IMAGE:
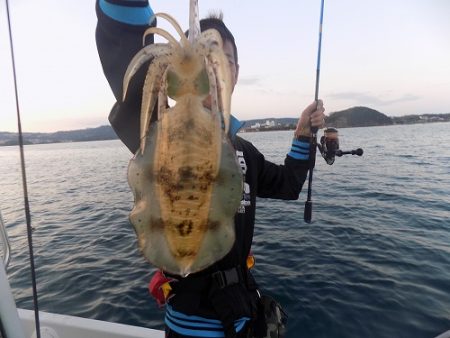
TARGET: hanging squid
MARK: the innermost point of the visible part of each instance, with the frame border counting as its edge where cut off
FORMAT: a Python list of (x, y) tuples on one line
[(186, 180)]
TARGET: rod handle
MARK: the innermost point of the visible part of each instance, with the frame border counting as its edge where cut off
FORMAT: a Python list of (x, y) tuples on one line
[(308, 212)]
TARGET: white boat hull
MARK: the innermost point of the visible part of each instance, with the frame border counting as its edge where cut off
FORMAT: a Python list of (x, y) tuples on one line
[(63, 326)]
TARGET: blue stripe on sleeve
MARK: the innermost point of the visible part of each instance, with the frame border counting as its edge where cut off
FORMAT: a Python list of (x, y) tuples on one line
[(125, 14), (299, 150), (300, 144)]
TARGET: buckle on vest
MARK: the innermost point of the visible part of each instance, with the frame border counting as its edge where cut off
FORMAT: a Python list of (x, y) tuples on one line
[(227, 277)]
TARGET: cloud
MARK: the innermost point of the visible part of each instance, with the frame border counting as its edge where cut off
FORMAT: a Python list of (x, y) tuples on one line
[(362, 98), (249, 81)]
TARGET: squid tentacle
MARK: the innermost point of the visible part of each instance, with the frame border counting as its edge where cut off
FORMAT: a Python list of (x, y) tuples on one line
[(194, 21), (145, 54), (153, 84), (213, 88), (162, 32), (162, 95), (176, 25), (211, 42)]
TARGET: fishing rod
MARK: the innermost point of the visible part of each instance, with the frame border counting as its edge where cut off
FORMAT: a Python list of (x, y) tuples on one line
[(24, 180), (329, 142), (313, 142)]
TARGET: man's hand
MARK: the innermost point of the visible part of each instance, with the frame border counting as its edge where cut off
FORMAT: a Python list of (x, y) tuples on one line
[(312, 116)]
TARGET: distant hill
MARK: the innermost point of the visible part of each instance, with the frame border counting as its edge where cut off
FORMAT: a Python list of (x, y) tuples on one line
[(90, 134), (357, 117), (352, 117)]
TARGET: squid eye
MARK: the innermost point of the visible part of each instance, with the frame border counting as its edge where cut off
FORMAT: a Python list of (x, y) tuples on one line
[(202, 83)]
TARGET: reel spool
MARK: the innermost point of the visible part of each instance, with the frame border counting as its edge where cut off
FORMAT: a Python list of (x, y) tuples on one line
[(329, 146)]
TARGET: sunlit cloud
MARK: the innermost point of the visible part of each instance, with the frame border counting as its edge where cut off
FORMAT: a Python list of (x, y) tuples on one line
[(362, 98)]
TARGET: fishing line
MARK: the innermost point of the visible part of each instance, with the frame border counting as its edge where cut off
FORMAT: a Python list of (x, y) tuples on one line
[(313, 142), (24, 180)]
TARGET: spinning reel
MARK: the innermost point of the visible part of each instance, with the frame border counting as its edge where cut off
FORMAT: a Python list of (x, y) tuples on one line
[(329, 146)]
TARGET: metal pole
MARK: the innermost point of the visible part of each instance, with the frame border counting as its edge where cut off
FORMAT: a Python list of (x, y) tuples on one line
[(24, 181)]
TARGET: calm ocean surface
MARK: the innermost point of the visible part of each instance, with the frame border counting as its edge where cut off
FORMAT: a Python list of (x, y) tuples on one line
[(375, 262)]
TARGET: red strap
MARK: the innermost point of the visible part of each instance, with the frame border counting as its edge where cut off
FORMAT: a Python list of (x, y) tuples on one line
[(155, 287)]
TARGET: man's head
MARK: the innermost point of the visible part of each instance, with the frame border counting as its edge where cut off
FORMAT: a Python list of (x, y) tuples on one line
[(229, 45), (216, 22)]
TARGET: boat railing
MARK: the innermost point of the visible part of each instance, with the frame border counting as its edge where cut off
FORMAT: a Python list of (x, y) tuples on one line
[(5, 242)]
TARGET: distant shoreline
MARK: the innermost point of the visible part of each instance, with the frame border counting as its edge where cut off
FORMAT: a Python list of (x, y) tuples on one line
[(104, 133), (248, 130)]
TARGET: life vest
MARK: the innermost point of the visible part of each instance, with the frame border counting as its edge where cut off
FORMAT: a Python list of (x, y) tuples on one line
[(231, 294)]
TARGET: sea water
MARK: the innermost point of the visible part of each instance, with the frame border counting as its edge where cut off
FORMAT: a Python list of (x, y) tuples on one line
[(375, 261)]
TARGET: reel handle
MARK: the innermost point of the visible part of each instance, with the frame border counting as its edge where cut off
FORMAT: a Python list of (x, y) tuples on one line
[(358, 152)]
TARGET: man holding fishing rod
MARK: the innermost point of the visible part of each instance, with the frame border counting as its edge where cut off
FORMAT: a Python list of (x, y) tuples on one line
[(223, 299)]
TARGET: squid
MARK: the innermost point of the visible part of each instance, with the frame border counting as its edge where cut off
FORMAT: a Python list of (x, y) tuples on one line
[(185, 177)]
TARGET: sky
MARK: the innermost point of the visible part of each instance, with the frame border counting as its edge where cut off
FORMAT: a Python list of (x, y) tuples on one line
[(392, 56)]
